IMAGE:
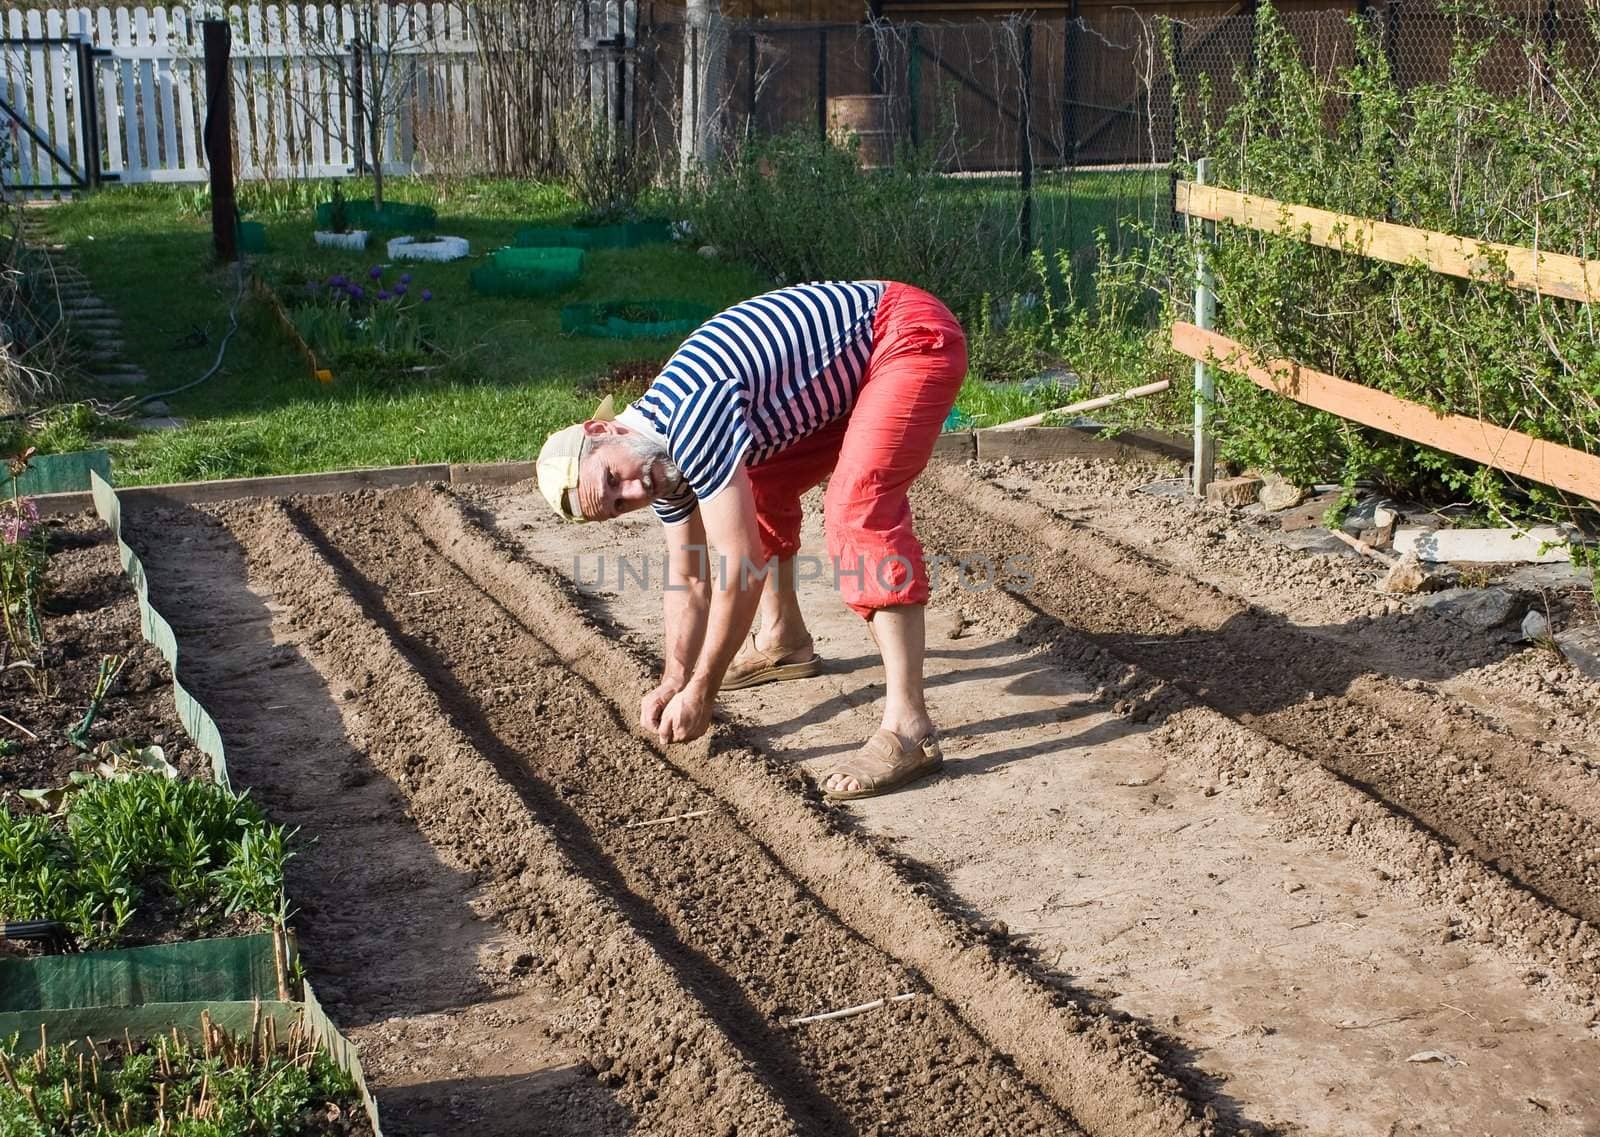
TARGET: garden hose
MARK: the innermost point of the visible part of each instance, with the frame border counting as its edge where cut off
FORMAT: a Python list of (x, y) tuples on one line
[(216, 365)]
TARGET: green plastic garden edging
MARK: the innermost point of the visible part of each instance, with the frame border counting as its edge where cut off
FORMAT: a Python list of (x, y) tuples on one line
[(222, 969), (196, 720), (528, 272), (362, 214), (624, 236), (63, 473), (634, 319)]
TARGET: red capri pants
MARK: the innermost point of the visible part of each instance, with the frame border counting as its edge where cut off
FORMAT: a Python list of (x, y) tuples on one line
[(919, 359)]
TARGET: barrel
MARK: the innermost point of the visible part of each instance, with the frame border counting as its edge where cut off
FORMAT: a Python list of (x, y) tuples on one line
[(869, 120)]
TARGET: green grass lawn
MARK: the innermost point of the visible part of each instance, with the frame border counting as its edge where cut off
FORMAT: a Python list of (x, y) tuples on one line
[(506, 375), (507, 378)]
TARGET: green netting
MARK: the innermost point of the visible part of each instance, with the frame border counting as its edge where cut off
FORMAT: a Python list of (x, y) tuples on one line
[(63, 473), (528, 272), (634, 319), (624, 236), (362, 214), (234, 967)]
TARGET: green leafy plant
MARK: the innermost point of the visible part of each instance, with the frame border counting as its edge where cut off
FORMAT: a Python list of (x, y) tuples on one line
[(24, 564), (206, 1082), (372, 317), (1460, 155), (128, 834), (338, 211)]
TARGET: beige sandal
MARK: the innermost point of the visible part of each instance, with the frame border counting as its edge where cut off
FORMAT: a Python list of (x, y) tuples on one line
[(752, 667), (884, 763)]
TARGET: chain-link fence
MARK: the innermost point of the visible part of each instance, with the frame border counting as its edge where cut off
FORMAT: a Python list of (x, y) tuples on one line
[(1076, 118)]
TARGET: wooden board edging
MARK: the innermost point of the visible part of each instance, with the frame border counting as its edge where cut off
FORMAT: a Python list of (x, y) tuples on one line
[(1550, 274), (1521, 455)]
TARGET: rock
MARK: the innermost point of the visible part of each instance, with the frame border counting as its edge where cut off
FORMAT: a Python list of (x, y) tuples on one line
[(710, 252), (1234, 493), (1278, 494), (1534, 626), (1478, 608), (1581, 646), (156, 408), (1407, 576)]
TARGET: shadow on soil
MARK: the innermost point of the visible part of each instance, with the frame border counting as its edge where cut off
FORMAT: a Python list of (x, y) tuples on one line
[(390, 937)]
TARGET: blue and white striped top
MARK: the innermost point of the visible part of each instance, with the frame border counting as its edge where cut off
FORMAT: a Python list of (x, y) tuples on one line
[(755, 379)]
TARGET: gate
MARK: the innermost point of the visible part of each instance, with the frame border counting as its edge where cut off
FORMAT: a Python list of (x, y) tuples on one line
[(52, 138)]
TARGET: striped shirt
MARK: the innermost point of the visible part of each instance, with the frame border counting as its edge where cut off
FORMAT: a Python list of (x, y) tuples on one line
[(755, 379)]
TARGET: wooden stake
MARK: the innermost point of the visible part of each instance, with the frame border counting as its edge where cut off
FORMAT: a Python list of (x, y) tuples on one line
[(1363, 548)]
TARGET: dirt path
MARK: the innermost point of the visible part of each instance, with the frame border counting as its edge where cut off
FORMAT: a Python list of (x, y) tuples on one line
[(486, 912), (1230, 789)]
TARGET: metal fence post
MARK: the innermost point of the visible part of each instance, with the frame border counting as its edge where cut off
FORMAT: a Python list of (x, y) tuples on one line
[(822, 82), (914, 84), (1205, 311), (1025, 135), (89, 114)]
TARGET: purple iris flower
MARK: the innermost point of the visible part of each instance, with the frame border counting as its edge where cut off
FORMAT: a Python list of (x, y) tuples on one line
[(399, 289), (375, 272), (385, 294), (405, 278), (356, 292), (426, 295), (337, 280)]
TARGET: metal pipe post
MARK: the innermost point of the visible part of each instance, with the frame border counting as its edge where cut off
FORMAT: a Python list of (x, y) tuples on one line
[(1205, 388)]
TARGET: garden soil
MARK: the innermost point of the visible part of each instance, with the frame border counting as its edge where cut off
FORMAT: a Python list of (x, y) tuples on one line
[(1226, 841), (90, 612)]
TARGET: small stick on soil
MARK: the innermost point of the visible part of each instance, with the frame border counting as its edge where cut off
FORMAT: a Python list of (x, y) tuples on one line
[(849, 1011), (425, 592), (667, 820), (18, 726)]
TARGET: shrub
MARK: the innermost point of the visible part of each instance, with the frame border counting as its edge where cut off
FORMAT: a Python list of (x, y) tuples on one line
[(1520, 167), (800, 208)]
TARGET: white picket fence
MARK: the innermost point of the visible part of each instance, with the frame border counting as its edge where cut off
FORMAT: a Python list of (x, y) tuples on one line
[(291, 110)]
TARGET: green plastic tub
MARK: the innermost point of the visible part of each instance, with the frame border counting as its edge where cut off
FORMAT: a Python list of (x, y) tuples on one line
[(528, 272), (634, 319)]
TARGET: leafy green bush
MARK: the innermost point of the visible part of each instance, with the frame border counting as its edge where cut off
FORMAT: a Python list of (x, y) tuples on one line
[(800, 208), (1518, 165), (115, 843)]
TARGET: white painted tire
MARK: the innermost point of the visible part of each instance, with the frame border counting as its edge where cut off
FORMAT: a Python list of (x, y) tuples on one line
[(355, 239), (433, 249)]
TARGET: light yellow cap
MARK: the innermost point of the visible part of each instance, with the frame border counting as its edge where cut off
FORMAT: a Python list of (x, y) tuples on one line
[(558, 463)]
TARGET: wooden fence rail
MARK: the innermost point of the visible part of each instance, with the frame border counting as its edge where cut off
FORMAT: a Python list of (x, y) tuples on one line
[(1553, 274)]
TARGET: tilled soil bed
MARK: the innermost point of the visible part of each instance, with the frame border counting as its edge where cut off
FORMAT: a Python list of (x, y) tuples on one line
[(1215, 852)]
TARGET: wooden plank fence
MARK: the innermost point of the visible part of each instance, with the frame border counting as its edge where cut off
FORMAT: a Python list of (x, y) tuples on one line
[(292, 71), (1518, 454)]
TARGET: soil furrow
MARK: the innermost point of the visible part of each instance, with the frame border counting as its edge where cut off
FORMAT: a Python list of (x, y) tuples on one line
[(620, 1003), (749, 943), (1422, 753), (1104, 1071)]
